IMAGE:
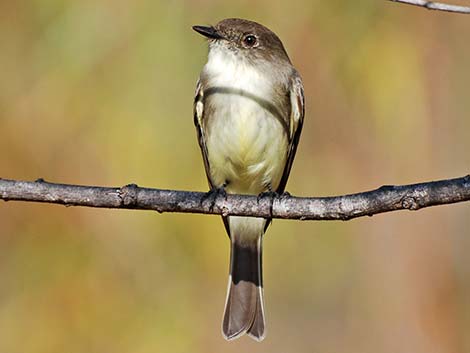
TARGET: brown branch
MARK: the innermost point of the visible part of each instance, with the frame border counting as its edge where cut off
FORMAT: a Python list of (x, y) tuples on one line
[(431, 5), (384, 199)]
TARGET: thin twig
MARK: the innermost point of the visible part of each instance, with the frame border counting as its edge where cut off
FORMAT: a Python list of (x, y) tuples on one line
[(431, 5), (384, 199)]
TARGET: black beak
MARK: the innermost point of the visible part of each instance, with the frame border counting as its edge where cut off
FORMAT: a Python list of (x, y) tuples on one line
[(209, 32)]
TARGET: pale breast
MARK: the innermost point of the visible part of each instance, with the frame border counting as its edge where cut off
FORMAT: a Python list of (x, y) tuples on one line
[(246, 144), (246, 134)]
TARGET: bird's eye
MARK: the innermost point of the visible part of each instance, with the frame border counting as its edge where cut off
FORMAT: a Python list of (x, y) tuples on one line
[(250, 40)]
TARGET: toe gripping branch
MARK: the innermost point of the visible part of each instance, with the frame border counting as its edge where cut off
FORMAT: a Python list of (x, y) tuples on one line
[(210, 198)]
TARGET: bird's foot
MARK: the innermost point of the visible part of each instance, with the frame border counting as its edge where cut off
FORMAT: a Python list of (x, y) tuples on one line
[(267, 194), (212, 195)]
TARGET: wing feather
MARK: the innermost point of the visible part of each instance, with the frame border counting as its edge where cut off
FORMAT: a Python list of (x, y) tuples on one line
[(297, 101), (198, 112)]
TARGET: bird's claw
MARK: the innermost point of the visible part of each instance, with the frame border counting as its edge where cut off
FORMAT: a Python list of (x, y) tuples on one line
[(212, 195), (267, 194)]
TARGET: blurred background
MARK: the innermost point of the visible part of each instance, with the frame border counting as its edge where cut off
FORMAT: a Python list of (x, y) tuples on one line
[(99, 92)]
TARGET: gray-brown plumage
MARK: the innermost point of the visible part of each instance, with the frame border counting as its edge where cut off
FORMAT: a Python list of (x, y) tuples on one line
[(248, 112)]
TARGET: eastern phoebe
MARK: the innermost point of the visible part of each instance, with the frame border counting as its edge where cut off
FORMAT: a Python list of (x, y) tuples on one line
[(248, 112)]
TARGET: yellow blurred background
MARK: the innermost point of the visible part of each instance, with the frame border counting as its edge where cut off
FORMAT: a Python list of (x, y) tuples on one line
[(99, 92)]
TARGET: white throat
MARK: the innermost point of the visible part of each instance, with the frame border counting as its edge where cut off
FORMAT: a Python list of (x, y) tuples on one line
[(226, 68)]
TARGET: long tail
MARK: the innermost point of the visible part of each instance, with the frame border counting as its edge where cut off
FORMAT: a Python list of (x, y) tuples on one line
[(244, 308)]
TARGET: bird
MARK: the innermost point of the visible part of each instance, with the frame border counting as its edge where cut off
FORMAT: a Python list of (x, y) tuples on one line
[(248, 111)]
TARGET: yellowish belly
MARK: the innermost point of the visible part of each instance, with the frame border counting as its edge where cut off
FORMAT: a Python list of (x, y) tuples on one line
[(247, 146)]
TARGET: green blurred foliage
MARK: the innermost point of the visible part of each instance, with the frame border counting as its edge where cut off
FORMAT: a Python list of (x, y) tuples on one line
[(100, 92)]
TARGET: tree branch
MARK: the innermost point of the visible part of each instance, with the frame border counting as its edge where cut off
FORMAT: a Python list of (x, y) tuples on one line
[(384, 199), (431, 5)]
